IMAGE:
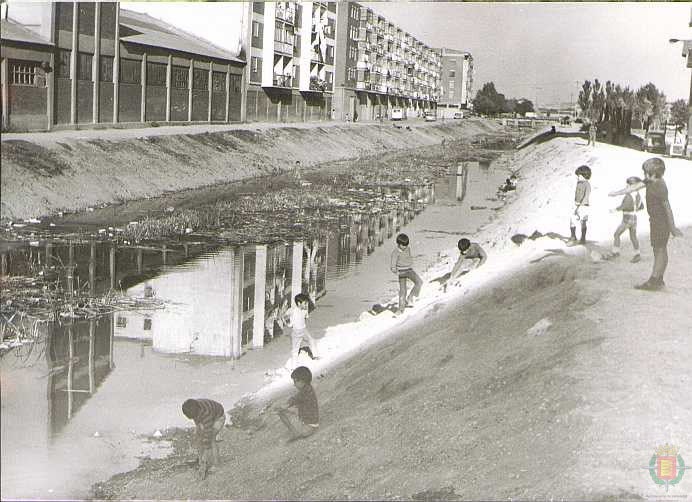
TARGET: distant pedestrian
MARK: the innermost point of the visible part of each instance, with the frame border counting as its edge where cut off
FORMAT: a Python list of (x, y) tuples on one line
[(661, 220), (631, 203), (592, 134), (297, 174), (581, 204), (209, 418), (402, 264), (305, 421), (297, 320)]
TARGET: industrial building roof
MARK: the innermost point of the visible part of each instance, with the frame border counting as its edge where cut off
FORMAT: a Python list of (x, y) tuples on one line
[(12, 30), (156, 33)]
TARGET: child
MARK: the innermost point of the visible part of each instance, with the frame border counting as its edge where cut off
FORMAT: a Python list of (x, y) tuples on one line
[(592, 134), (510, 184), (631, 203), (299, 331), (468, 251), (402, 265), (209, 417), (306, 421), (661, 221), (581, 204)]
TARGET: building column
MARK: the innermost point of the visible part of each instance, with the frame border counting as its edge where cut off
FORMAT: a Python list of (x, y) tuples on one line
[(169, 76), (116, 65), (111, 262), (210, 88), (50, 92), (190, 75), (95, 65), (73, 63), (143, 111), (296, 271), (260, 292), (228, 93), (236, 306), (4, 69)]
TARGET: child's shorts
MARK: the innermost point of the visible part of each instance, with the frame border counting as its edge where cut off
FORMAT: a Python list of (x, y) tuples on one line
[(580, 213), (629, 220), (659, 233), (209, 436)]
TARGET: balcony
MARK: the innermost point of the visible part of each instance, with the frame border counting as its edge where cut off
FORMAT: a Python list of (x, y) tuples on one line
[(283, 48), (318, 85), (286, 15), (283, 81), (363, 86)]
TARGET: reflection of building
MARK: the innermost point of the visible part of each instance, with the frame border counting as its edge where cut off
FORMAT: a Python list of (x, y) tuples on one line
[(80, 357), (290, 70), (380, 67), (78, 63), (223, 304), (457, 81)]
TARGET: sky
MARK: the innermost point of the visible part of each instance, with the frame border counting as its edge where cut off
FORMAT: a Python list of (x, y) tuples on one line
[(540, 51)]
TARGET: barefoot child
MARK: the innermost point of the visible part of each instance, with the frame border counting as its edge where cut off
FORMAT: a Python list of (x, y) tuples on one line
[(581, 204), (209, 417), (661, 221), (306, 420), (631, 203), (297, 317), (402, 265)]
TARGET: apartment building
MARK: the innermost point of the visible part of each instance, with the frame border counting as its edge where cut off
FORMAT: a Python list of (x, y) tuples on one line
[(291, 53), (93, 64), (379, 66), (457, 81)]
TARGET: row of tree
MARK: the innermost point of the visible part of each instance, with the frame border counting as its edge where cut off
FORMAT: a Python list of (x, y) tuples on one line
[(490, 102), (613, 108)]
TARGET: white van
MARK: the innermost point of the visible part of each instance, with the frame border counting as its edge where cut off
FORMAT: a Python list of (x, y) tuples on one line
[(397, 114)]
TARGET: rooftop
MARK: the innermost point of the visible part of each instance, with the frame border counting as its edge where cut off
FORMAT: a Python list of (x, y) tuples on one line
[(12, 30)]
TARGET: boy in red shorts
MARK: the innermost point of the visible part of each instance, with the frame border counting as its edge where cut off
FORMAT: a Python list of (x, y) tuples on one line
[(661, 221)]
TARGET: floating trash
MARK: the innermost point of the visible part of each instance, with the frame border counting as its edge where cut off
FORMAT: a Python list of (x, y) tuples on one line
[(158, 434), (97, 435)]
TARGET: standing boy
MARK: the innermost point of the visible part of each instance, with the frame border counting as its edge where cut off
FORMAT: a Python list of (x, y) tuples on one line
[(592, 134), (581, 204), (306, 421), (299, 331), (209, 417), (631, 203), (661, 221), (402, 265)]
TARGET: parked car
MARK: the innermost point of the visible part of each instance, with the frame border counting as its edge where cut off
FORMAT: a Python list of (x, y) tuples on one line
[(430, 116), (398, 114), (458, 115), (654, 142), (566, 120)]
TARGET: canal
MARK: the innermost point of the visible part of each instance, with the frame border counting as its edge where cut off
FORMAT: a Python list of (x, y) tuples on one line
[(89, 398)]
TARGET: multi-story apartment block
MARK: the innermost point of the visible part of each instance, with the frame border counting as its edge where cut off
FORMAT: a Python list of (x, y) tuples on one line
[(457, 81), (291, 50), (86, 64), (380, 67)]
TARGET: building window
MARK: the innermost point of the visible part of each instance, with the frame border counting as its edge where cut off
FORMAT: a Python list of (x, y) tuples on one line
[(452, 73), (258, 7), (121, 322), (255, 68), (130, 71), (235, 83), (255, 29), (147, 324), (200, 79), (84, 68), (451, 85), (62, 63), (106, 69), (218, 81), (27, 73), (329, 78), (64, 15), (330, 28), (179, 77), (156, 74), (330, 54), (86, 18)]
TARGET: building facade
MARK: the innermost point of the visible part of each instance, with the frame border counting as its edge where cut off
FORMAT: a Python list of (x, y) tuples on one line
[(457, 81), (87, 64), (290, 52), (379, 67)]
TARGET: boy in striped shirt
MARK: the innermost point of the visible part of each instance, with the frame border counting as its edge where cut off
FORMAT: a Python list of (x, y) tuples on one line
[(209, 417)]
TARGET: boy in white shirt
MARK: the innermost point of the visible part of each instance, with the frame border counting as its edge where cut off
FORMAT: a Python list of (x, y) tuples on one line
[(297, 317)]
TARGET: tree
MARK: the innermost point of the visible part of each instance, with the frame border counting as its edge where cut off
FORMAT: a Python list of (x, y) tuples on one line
[(488, 101), (523, 106), (650, 103), (679, 115)]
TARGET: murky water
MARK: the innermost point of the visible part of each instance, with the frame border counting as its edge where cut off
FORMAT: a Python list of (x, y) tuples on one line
[(84, 401)]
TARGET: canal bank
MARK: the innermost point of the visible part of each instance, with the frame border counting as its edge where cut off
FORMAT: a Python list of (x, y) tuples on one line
[(47, 173), (466, 382)]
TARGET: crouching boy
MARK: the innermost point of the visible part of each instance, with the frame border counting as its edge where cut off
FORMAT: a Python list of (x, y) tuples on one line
[(209, 418), (306, 419)]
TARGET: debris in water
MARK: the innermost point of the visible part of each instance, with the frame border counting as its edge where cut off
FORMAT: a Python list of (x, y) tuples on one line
[(158, 434), (97, 435)]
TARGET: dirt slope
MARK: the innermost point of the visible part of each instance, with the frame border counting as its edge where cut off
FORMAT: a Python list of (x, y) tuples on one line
[(465, 404), (45, 173)]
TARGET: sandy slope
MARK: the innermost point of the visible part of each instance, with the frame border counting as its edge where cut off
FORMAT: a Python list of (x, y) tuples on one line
[(462, 403)]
